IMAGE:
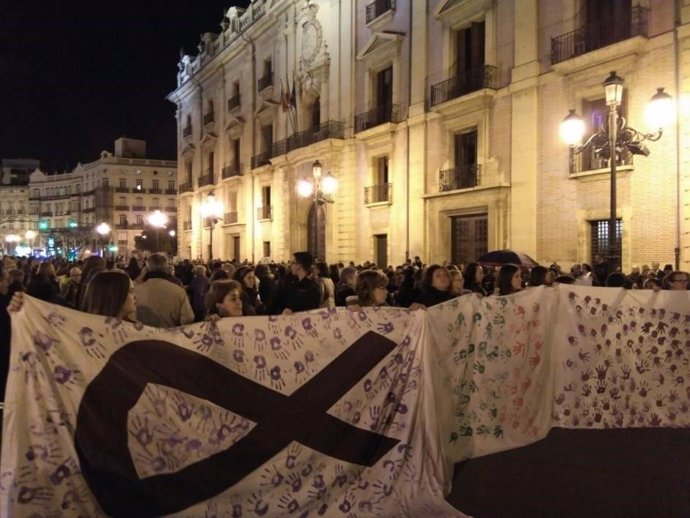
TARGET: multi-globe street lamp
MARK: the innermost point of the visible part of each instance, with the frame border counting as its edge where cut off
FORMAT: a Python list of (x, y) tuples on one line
[(211, 210), (616, 139), (321, 190), (158, 220)]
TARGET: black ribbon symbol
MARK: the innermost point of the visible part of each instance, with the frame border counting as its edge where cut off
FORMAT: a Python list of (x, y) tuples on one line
[(101, 435)]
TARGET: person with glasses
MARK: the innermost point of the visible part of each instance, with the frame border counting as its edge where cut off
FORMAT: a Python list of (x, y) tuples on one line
[(676, 280)]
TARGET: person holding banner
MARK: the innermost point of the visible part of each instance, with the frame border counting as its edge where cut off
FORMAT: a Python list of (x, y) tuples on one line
[(224, 299)]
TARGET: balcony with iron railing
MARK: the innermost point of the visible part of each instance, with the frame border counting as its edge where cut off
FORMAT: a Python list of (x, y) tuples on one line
[(232, 170), (187, 225), (89, 210), (377, 116), (234, 102), (261, 159), (463, 83), (122, 189), (460, 177), (265, 81), (584, 40), (326, 130), (382, 193), (136, 226), (186, 187), (206, 179), (209, 118), (121, 207), (171, 191), (588, 160), (138, 208), (155, 191), (230, 217), (378, 8), (170, 209), (187, 132), (264, 213), (122, 226)]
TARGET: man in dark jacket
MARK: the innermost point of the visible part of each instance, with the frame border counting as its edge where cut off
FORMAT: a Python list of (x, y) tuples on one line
[(303, 293)]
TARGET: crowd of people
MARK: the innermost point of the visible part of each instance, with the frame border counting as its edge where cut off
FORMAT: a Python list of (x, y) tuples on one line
[(156, 292)]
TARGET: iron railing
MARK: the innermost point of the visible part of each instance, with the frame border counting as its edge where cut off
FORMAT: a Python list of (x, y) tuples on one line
[(155, 191), (232, 170), (377, 116), (263, 213), (378, 193), (326, 130), (377, 8), (171, 191), (209, 118), (588, 160), (265, 81), (186, 187), (463, 83), (583, 40), (138, 208), (121, 207), (170, 209), (122, 226), (233, 102), (261, 159), (206, 179), (230, 217), (461, 177), (121, 189)]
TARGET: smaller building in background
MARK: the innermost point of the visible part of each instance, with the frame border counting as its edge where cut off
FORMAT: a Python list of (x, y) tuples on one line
[(121, 189), (14, 200)]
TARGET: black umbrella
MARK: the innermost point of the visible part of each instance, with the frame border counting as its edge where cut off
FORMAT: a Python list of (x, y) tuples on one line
[(500, 257)]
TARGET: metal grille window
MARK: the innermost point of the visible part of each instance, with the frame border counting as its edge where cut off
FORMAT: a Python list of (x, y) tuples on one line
[(469, 238), (600, 236)]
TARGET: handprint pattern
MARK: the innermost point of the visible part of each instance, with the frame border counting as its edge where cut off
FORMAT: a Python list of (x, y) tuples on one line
[(612, 360)]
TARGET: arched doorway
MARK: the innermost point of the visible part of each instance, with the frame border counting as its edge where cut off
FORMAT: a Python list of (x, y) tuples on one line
[(316, 231)]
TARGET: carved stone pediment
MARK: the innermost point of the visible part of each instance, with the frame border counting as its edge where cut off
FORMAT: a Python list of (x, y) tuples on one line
[(381, 45)]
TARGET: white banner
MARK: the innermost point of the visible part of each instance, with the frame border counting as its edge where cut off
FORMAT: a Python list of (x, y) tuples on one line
[(327, 413)]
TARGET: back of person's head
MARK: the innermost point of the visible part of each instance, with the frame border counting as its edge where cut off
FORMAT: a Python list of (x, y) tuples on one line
[(157, 263), (505, 279), (106, 293), (348, 275), (565, 279), (322, 269), (261, 270), (217, 291), (46, 268), (16, 276), (615, 280), (470, 275), (42, 287), (537, 276), (367, 282), (200, 270)]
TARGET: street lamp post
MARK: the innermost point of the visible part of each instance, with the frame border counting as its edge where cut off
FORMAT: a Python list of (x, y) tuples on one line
[(158, 220), (614, 140), (103, 229), (211, 210), (321, 189)]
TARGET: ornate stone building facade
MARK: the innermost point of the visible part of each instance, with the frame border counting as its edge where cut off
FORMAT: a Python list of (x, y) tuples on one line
[(439, 120), (121, 189)]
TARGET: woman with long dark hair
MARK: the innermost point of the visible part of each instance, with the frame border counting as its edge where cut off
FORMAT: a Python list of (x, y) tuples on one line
[(224, 299), (473, 275), (509, 279), (111, 294), (436, 286)]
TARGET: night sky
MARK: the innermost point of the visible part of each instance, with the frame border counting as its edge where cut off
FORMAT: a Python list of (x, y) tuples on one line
[(77, 74)]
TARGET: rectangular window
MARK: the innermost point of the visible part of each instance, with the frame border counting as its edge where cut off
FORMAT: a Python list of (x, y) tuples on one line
[(235, 149), (104, 182), (381, 175), (267, 137), (266, 195), (469, 238), (123, 220), (123, 183), (600, 237), (140, 185), (171, 185), (140, 219), (267, 249), (155, 184), (595, 114), (384, 89), (469, 49)]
